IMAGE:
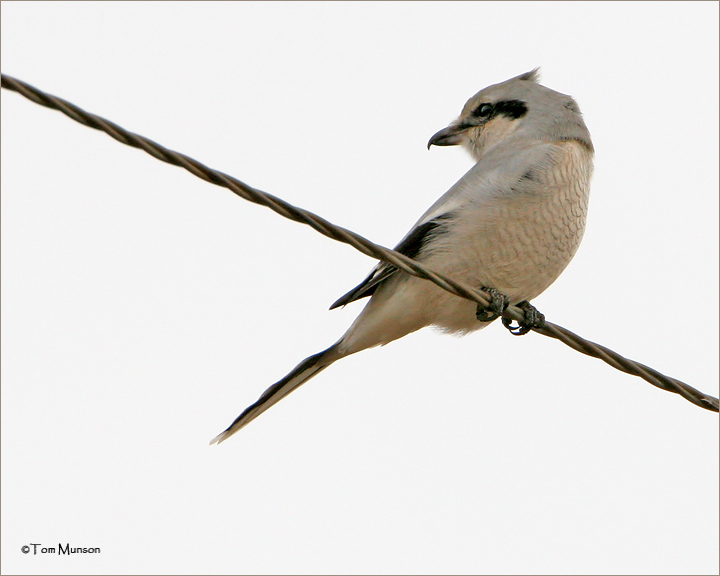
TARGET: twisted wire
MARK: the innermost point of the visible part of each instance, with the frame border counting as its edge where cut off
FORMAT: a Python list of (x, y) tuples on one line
[(358, 242)]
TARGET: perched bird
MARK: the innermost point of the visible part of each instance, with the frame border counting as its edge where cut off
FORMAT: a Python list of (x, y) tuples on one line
[(512, 224)]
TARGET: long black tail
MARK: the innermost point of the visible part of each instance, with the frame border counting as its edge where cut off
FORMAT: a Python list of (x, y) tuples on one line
[(301, 374)]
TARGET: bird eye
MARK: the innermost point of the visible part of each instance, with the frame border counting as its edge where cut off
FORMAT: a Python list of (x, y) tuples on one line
[(484, 110)]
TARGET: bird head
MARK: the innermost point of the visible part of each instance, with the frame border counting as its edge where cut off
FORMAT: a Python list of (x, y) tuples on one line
[(519, 106)]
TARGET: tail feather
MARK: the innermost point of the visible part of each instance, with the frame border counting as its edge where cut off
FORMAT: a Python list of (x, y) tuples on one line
[(301, 374)]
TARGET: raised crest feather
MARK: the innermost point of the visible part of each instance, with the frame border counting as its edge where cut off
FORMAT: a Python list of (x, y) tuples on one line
[(532, 76)]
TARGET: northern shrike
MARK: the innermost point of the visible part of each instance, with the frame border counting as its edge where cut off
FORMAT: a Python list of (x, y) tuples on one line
[(512, 224)]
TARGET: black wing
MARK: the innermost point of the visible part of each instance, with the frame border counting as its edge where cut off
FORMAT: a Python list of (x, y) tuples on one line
[(410, 246)]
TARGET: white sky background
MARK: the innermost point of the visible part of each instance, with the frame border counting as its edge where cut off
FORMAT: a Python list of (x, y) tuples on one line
[(143, 309)]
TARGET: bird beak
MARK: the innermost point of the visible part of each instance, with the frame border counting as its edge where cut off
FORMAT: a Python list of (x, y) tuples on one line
[(450, 136)]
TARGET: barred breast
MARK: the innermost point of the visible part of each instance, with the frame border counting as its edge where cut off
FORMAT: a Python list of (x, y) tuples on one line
[(518, 241)]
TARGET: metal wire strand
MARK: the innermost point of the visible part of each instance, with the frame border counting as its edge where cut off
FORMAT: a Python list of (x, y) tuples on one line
[(355, 240)]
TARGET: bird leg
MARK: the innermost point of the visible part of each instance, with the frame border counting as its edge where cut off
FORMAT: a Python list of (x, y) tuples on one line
[(498, 303), (533, 319)]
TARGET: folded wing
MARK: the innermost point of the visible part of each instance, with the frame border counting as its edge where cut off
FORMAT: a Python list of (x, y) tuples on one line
[(409, 246)]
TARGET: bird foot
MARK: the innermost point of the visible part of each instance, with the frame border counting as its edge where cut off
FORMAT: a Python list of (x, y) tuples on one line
[(533, 319), (498, 303)]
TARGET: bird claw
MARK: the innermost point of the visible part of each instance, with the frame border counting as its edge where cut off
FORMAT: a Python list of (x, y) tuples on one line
[(533, 319), (498, 303)]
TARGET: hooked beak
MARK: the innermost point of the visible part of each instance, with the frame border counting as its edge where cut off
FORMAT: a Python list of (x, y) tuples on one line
[(450, 136)]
